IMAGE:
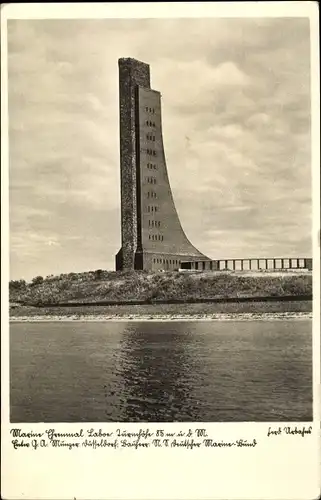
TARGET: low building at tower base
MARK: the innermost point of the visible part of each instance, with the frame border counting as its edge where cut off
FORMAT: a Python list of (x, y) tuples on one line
[(257, 264)]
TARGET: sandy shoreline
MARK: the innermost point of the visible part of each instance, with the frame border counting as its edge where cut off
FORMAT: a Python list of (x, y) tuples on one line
[(166, 317)]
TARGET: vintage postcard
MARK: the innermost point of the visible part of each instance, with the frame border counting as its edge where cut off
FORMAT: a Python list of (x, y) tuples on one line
[(161, 258)]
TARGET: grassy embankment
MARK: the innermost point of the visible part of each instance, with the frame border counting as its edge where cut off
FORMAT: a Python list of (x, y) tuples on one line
[(88, 290)]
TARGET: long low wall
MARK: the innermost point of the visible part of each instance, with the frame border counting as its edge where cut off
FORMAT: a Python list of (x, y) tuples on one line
[(281, 298), (249, 264)]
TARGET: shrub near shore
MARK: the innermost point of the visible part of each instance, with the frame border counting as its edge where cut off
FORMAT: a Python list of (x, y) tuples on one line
[(102, 285)]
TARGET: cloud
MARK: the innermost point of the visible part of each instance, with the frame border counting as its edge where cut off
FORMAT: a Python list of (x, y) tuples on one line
[(236, 124)]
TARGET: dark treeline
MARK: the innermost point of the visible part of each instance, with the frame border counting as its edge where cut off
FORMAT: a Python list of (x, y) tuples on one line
[(106, 287)]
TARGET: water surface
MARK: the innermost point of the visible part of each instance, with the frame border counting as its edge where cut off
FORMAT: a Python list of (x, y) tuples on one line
[(161, 371)]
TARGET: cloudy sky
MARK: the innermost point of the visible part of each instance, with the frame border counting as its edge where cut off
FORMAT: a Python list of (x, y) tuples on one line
[(236, 123)]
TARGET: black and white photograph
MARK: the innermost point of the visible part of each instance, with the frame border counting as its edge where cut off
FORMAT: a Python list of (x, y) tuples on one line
[(113, 247), (160, 226)]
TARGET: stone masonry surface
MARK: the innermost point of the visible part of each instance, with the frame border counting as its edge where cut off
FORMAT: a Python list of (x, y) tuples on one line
[(152, 235)]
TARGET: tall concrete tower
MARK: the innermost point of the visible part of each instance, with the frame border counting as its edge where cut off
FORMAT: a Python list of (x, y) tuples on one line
[(151, 232)]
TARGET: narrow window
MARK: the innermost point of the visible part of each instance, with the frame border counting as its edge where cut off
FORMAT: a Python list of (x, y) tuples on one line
[(146, 109)]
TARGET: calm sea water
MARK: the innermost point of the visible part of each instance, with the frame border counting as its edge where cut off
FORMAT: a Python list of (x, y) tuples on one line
[(161, 371)]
